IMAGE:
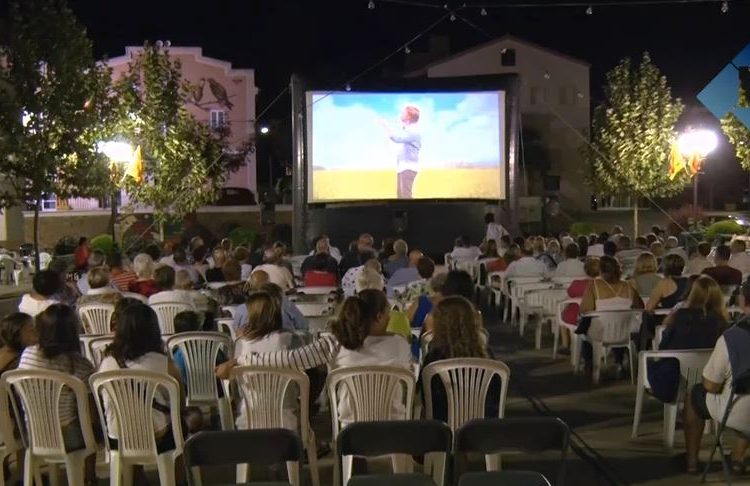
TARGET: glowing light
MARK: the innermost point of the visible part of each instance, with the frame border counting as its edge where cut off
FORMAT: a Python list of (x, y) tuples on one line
[(483, 12), (724, 6), (453, 17), (264, 130), (371, 5), (116, 151), (407, 49), (742, 222), (590, 10), (701, 142)]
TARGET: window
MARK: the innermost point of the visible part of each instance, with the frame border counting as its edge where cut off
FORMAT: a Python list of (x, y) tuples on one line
[(218, 118), (536, 95), (568, 96), (508, 57)]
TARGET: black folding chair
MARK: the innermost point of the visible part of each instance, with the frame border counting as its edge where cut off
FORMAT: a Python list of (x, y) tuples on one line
[(492, 436), (232, 447), (431, 438), (740, 389), (503, 478)]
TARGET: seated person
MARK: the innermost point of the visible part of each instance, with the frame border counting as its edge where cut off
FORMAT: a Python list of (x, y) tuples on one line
[(464, 250), (673, 288), (242, 255), (698, 260), (276, 270), (100, 290), (571, 266), (219, 258), (425, 270), (321, 253), (398, 260), (526, 266), (291, 317), (144, 284), (180, 262), (724, 275), (45, 285), (318, 271), (576, 289), (645, 278), (119, 275), (407, 275), (164, 277), (16, 334), (739, 259), (233, 291)]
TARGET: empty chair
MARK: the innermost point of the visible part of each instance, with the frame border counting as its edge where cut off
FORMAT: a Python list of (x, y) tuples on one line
[(200, 353), (263, 391), (227, 447), (95, 318), (9, 443), (125, 400), (165, 312), (431, 438), (503, 478), (467, 384), (39, 392), (491, 437)]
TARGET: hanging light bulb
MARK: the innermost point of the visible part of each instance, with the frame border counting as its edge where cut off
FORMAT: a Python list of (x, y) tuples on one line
[(546, 75), (348, 87), (371, 5), (589, 10), (407, 49), (483, 12), (453, 17), (724, 6)]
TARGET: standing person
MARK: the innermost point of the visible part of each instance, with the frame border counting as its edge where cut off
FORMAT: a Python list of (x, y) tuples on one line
[(16, 334), (119, 276), (45, 286), (494, 231), (722, 272), (407, 160), (81, 254)]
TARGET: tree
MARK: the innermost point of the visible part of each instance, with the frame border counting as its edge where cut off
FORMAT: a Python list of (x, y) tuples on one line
[(632, 132), (185, 163), (739, 136), (50, 124)]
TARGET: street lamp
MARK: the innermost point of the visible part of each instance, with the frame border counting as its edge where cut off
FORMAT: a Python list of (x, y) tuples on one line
[(117, 152), (695, 145)]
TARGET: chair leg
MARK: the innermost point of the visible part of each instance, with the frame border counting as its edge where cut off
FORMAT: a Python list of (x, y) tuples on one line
[(292, 471), (670, 423), (243, 473), (555, 338), (493, 462), (54, 474), (225, 414), (74, 468), (575, 352), (538, 333), (639, 392), (631, 362), (29, 471), (312, 459), (165, 464), (126, 470), (597, 352), (345, 473)]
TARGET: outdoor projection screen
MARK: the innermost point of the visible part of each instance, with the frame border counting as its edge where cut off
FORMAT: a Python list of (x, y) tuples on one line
[(368, 146)]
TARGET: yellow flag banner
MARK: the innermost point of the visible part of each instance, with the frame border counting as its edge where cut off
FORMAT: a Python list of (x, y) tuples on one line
[(676, 161), (135, 168)]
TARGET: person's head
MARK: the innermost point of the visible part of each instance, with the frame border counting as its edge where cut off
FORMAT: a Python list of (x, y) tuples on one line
[(360, 316), (182, 280), (280, 248), (57, 331), (505, 241), (671, 242), (651, 238), (47, 283), (226, 244), (143, 266), (617, 230), (199, 255), (571, 251), (196, 242), (220, 257), (602, 238), (17, 331), (623, 243), (179, 256), (553, 247), (164, 277), (320, 262), (610, 248), (400, 247), (706, 295), (527, 251), (459, 282), (374, 264), (365, 241), (83, 241), (369, 279), (136, 334), (513, 253), (673, 265), (538, 245), (263, 315), (722, 255), (456, 329), (641, 243), (187, 321), (323, 245), (257, 279), (609, 269), (425, 267), (437, 282), (646, 264), (409, 115), (386, 249), (657, 248), (241, 254), (738, 246), (414, 257), (274, 291), (120, 305), (153, 250), (98, 277), (114, 261), (704, 248), (96, 259), (583, 244), (232, 271), (591, 267)]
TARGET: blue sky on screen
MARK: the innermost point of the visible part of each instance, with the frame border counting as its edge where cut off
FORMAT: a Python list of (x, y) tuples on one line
[(457, 128)]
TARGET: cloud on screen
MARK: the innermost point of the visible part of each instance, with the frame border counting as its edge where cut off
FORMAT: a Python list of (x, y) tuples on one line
[(456, 128)]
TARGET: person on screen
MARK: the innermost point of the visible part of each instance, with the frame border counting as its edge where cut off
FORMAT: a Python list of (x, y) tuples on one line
[(407, 160)]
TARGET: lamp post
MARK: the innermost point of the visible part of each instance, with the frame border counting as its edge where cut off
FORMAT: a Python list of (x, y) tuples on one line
[(117, 152), (695, 145)]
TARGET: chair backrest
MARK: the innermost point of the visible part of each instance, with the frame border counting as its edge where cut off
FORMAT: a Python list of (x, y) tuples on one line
[(314, 309), (370, 391), (200, 351), (39, 392), (503, 478), (8, 441), (378, 438), (260, 446), (136, 296), (131, 396), (96, 318), (426, 338), (529, 435), (226, 325), (692, 362), (96, 347), (166, 311), (467, 383), (470, 266), (612, 327), (263, 389)]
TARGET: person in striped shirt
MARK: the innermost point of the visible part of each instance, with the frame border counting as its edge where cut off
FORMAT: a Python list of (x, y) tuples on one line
[(59, 349), (119, 276)]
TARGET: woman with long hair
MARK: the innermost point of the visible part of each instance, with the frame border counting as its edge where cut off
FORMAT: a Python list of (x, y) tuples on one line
[(645, 279)]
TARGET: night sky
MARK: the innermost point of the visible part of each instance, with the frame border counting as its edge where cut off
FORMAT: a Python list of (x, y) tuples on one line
[(334, 40)]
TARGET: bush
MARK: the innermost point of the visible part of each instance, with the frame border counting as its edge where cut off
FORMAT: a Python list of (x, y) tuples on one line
[(104, 244), (582, 228), (726, 227), (242, 237), (66, 246)]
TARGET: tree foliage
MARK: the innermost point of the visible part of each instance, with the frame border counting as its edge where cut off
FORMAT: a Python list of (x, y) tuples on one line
[(185, 164), (632, 132), (739, 136)]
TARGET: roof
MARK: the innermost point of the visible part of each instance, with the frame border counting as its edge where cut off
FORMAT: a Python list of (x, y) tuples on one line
[(485, 45), (197, 52)]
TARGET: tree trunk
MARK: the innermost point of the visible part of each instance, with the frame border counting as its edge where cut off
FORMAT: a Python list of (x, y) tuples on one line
[(37, 205), (113, 215), (635, 218)]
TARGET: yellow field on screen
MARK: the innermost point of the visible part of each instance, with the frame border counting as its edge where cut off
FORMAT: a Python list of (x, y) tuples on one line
[(348, 185)]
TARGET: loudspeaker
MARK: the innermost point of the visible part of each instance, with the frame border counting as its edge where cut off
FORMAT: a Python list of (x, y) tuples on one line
[(400, 222)]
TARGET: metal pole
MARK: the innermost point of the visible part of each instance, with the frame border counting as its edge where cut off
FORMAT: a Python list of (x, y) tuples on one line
[(299, 169), (695, 194)]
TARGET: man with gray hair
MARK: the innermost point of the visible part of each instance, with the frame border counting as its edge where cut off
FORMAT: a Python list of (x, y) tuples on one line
[(398, 260), (96, 259), (672, 245)]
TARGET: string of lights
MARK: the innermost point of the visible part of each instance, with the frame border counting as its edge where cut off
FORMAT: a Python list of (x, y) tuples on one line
[(588, 5)]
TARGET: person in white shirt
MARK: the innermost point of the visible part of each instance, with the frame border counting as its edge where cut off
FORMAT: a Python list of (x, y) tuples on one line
[(526, 266), (672, 246), (739, 259), (625, 251), (242, 255), (464, 250), (698, 260), (46, 285), (571, 266), (276, 273), (349, 282), (495, 231), (164, 276), (323, 245)]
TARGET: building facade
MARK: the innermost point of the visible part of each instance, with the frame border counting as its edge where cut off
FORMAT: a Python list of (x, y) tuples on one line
[(555, 112)]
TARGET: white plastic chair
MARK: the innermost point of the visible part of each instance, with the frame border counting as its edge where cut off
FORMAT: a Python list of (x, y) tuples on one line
[(226, 325), (426, 338), (131, 396), (166, 311), (517, 286), (370, 392), (95, 348), (9, 444), (317, 314), (315, 294), (692, 362), (96, 318), (262, 390), (611, 330), (200, 351), (558, 323), (136, 296), (229, 309), (39, 392)]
